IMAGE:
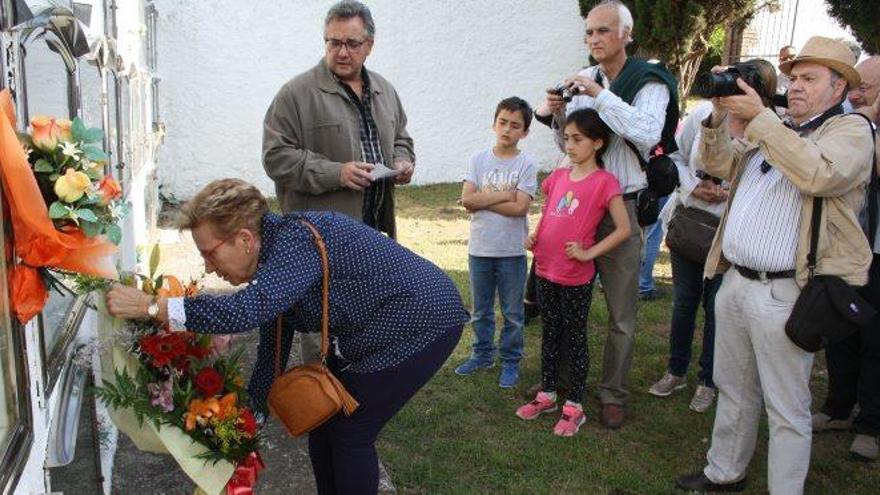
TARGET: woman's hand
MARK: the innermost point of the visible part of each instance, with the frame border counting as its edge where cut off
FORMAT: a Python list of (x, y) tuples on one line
[(574, 251), (128, 302)]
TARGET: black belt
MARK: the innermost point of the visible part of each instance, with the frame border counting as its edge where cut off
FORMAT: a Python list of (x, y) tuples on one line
[(631, 196), (756, 275)]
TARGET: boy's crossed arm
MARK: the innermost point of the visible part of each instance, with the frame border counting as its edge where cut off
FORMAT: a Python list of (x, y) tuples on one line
[(508, 203)]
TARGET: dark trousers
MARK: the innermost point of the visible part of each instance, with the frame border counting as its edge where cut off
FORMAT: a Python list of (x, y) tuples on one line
[(854, 369), (343, 450), (689, 289), (564, 312)]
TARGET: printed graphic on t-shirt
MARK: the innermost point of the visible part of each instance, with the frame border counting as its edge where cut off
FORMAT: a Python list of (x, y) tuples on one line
[(566, 206), (499, 181)]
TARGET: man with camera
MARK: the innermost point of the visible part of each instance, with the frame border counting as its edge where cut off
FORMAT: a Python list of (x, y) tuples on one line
[(639, 102), (761, 247), (329, 127)]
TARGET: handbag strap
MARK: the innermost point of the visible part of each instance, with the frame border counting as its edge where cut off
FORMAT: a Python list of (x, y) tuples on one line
[(325, 301), (814, 234)]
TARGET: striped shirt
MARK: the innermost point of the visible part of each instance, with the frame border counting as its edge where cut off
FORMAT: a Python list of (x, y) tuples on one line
[(764, 220), (371, 151), (640, 123)]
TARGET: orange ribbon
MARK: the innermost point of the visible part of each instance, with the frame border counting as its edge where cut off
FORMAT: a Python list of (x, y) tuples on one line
[(37, 242), (245, 476)]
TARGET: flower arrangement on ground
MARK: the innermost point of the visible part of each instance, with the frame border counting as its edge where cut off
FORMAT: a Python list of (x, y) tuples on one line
[(185, 380), (68, 163)]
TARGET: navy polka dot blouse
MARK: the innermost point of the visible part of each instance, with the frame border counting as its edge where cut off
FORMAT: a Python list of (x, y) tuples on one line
[(386, 302)]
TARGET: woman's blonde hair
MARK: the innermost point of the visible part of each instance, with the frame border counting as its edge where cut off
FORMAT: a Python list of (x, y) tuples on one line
[(228, 204)]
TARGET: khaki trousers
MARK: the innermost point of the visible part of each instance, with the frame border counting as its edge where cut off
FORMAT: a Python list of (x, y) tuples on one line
[(757, 367), (619, 274)]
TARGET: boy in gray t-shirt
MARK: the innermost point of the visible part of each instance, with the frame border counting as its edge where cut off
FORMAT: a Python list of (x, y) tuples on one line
[(498, 188)]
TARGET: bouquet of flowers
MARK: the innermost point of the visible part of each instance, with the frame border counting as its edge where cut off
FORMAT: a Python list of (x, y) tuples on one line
[(184, 380), (68, 163)]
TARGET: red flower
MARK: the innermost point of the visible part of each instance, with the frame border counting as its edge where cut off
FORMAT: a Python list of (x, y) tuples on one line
[(163, 348), (247, 422), (209, 382)]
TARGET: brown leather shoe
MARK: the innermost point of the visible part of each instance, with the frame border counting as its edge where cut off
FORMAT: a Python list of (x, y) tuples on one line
[(612, 416)]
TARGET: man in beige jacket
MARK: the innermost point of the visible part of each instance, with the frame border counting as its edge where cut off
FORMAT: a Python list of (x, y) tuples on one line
[(761, 247), (328, 129)]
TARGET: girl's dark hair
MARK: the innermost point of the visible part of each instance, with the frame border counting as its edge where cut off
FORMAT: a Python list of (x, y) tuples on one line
[(590, 124)]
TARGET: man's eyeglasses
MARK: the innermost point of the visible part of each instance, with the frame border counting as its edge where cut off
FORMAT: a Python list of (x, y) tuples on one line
[(209, 254), (335, 45)]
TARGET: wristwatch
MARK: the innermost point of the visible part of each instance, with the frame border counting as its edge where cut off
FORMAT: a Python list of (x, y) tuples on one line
[(153, 308)]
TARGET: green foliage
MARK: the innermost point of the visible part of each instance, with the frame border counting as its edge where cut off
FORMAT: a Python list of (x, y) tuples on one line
[(862, 17)]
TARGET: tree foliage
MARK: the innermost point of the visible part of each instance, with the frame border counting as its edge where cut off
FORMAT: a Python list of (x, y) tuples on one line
[(863, 17), (678, 32)]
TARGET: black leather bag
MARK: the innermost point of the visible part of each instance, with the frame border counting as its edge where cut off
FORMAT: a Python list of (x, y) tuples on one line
[(828, 309), (690, 233), (660, 170), (662, 175), (647, 207)]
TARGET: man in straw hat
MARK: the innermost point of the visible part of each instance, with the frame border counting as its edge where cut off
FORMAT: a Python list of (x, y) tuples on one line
[(761, 247)]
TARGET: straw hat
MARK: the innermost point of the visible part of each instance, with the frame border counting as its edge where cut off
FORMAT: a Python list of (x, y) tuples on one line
[(830, 53)]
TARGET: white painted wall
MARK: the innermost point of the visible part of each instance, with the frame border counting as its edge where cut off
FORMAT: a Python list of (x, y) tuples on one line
[(221, 63)]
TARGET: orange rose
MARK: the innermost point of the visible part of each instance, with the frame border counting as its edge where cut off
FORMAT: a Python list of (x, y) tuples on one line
[(109, 189), (72, 185), (65, 131), (44, 133)]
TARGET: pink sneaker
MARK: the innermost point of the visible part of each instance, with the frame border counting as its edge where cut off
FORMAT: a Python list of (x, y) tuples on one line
[(543, 403), (570, 422)]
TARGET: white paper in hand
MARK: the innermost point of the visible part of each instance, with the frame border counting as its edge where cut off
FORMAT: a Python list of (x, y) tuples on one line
[(381, 171)]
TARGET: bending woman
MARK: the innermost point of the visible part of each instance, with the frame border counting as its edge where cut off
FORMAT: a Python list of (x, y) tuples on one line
[(394, 316)]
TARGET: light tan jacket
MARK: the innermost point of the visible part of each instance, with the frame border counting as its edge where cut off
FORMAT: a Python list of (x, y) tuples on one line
[(312, 128), (833, 162)]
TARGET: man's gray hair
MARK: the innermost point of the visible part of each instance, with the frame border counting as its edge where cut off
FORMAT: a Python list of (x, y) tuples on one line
[(624, 17), (346, 9)]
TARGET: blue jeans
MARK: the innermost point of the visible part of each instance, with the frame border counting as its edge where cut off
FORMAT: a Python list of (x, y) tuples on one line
[(653, 238), (507, 276), (689, 289)]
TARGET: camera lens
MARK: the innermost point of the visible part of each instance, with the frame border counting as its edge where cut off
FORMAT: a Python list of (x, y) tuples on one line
[(721, 84)]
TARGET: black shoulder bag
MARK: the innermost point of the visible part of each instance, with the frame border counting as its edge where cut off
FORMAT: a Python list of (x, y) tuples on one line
[(828, 309)]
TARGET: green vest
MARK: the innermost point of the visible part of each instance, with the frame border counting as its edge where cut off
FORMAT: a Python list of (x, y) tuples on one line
[(636, 73)]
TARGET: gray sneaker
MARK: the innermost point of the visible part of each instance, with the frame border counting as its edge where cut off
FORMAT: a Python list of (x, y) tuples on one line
[(668, 384), (824, 422), (703, 399), (865, 447)]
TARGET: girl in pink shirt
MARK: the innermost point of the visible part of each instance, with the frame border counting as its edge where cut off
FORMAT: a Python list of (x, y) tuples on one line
[(564, 246)]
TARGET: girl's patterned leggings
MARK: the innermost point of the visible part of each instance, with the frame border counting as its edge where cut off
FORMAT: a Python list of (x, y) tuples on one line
[(564, 311)]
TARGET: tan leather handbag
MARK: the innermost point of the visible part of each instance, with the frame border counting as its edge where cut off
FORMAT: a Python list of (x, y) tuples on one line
[(306, 396)]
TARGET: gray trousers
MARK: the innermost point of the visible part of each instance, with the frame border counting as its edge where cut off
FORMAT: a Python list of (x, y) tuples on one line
[(757, 367), (619, 274)]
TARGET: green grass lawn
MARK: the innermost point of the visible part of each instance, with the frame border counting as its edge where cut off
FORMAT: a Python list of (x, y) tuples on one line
[(460, 435)]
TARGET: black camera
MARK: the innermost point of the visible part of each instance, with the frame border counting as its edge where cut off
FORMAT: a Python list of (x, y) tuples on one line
[(724, 83), (567, 92)]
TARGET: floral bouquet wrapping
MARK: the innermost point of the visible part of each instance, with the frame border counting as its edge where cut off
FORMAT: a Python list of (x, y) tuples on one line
[(181, 393), (40, 242)]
